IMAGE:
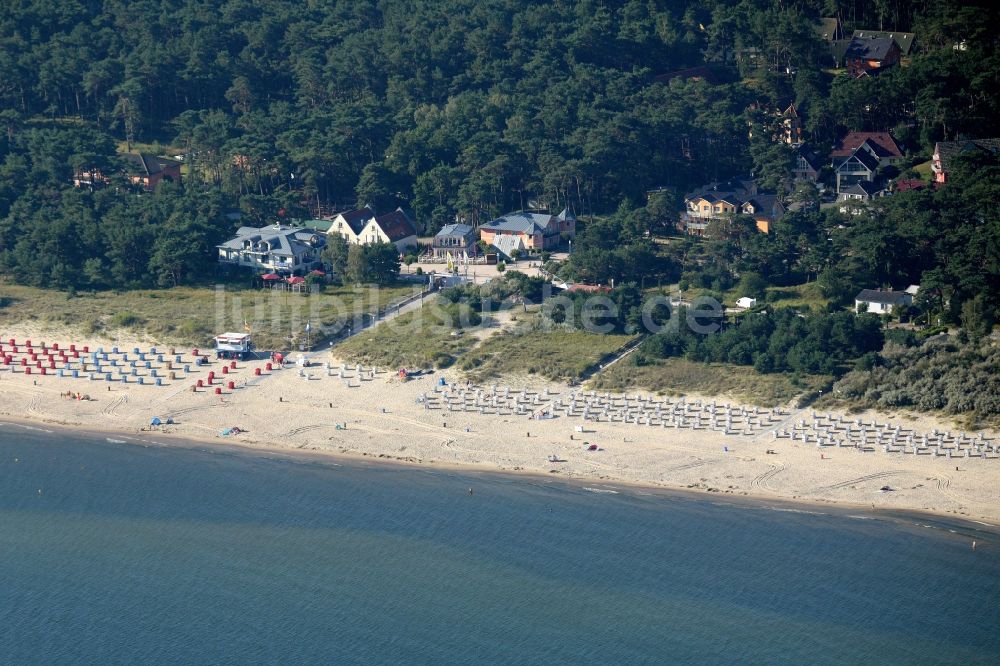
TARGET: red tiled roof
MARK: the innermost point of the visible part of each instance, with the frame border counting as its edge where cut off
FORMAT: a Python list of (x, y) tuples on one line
[(910, 184), (882, 140), (396, 225)]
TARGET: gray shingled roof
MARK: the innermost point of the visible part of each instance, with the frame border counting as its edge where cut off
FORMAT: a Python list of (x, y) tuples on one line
[(764, 204), (949, 149), (904, 40), (507, 244), (863, 156), (358, 218), (283, 241), (876, 48), (460, 230), (883, 297), (862, 187), (732, 191), (811, 158), (521, 223), (148, 164)]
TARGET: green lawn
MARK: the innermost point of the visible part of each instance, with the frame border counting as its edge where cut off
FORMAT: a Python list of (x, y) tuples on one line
[(924, 169), (192, 315), (154, 148), (798, 296), (679, 377)]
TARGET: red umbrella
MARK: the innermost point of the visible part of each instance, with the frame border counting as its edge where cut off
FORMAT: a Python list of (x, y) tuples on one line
[(316, 271), (296, 280), (270, 276)]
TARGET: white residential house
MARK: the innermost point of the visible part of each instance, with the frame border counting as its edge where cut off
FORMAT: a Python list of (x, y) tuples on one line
[(859, 155), (363, 227), (395, 227), (275, 248), (807, 164), (455, 239), (350, 223), (881, 301)]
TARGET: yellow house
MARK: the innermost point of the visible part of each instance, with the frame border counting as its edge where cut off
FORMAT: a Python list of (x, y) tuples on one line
[(703, 208), (351, 223), (723, 201)]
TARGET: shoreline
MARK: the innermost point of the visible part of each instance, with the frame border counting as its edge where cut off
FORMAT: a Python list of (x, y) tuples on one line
[(271, 451), (341, 412)]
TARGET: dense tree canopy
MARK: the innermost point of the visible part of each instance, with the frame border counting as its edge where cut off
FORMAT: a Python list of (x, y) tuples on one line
[(456, 108)]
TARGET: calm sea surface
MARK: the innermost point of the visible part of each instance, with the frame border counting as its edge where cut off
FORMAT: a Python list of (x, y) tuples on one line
[(120, 553)]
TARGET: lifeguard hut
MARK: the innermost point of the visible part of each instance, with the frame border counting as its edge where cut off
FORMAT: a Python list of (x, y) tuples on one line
[(233, 345)]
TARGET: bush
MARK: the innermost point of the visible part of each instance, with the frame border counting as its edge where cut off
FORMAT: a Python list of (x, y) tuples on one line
[(125, 319), (442, 360), (958, 379), (752, 285), (782, 341), (195, 331), (867, 361), (460, 315), (901, 336)]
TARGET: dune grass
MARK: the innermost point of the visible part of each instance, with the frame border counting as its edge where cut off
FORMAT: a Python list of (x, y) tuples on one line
[(679, 377), (192, 315), (415, 340), (556, 354)]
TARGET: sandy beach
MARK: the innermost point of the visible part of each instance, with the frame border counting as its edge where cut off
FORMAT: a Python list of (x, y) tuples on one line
[(341, 411)]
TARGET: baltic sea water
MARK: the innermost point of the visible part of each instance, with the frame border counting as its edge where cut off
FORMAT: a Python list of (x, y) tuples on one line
[(120, 553)]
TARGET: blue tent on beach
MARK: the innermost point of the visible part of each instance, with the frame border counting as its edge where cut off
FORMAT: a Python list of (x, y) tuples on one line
[(155, 421)]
